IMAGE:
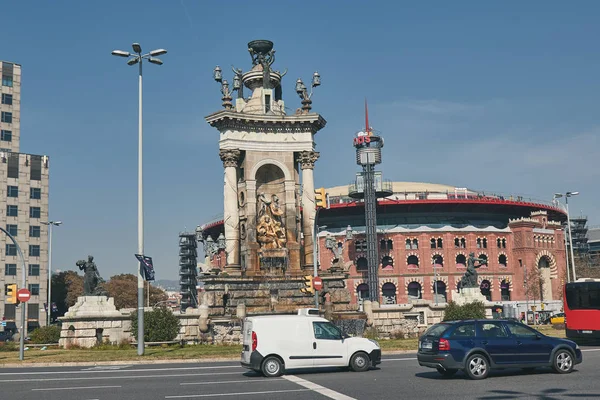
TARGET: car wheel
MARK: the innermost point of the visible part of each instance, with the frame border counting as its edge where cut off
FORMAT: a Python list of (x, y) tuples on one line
[(563, 362), (271, 367), (447, 372), (360, 362), (477, 367)]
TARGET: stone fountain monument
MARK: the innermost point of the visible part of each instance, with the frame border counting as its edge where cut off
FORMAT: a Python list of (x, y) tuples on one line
[(269, 200), (94, 318)]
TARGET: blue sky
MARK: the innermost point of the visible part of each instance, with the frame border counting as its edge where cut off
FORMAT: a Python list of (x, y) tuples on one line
[(499, 96)]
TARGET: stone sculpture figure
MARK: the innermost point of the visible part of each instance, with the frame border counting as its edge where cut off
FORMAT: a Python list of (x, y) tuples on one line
[(270, 231), (91, 277), (469, 279)]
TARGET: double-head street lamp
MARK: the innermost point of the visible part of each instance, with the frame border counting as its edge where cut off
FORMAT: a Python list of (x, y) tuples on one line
[(137, 58), (49, 309), (566, 196)]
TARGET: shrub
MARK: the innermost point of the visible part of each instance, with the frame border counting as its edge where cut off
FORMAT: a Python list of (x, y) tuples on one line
[(160, 325), (45, 334), (9, 346), (474, 310)]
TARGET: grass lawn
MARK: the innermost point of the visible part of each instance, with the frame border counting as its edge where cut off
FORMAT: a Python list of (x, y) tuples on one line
[(176, 352)]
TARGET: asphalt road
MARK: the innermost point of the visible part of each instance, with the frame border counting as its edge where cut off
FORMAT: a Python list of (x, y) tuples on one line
[(398, 376)]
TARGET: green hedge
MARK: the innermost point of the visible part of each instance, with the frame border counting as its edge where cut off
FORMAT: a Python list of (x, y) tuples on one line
[(160, 325), (474, 310), (45, 334)]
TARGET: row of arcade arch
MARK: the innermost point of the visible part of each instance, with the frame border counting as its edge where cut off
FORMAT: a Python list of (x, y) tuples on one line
[(414, 291), (387, 262)]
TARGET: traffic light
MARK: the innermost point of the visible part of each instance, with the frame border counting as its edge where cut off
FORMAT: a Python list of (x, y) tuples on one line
[(320, 198), (11, 293), (308, 282)]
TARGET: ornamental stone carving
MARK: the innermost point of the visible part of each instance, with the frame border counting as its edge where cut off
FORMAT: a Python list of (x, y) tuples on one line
[(307, 159), (230, 158)]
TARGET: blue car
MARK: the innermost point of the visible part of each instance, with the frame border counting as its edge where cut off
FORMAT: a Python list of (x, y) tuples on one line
[(476, 346)]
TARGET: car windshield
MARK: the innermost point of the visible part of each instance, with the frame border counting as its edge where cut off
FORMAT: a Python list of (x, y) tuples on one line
[(437, 330)]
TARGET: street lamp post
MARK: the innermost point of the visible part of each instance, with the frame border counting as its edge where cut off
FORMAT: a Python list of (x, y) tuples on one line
[(567, 195), (316, 231), (137, 58), (50, 225), (435, 282)]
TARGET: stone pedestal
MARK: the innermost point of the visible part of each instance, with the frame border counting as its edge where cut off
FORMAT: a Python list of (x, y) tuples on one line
[(93, 320), (468, 295)]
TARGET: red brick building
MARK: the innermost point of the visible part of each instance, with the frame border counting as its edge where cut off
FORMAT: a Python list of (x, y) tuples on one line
[(426, 233)]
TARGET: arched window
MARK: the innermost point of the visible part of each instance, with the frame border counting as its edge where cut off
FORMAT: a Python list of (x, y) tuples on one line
[(484, 242), (503, 243), (438, 260), (386, 244), (362, 292), (440, 243), (505, 290), (432, 242), (387, 262), (408, 244), (414, 291), (463, 243), (502, 260), (456, 243), (439, 287), (486, 289), (461, 260), (360, 246), (412, 261), (361, 264), (478, 243), (415, 244), (484, 257), (388, 293), (499, 243)]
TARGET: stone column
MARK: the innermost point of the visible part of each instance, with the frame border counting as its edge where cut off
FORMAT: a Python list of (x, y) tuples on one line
[(307, 161), (231, 218)]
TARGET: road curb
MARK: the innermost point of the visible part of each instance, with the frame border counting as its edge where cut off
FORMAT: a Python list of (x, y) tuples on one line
[(26, 364)]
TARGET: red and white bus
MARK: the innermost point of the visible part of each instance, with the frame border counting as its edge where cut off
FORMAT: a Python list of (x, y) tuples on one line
[(582, 308)]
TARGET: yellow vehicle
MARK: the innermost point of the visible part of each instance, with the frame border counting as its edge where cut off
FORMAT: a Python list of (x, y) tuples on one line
[(557, 318)]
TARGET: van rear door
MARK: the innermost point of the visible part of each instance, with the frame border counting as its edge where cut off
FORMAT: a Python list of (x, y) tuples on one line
[(247, 341)]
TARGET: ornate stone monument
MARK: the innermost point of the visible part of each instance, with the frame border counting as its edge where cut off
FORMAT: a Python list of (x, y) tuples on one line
[(469, 284), (94, 318), (269, 199)]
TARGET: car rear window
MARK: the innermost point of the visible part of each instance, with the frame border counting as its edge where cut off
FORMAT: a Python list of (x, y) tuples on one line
[(437, 330)]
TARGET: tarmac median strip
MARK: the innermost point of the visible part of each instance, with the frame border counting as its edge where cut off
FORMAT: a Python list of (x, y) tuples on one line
[(318, 388), (189, 396), (75, 388)]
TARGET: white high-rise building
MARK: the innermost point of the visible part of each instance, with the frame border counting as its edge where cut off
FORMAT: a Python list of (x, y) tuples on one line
[(23, 208)]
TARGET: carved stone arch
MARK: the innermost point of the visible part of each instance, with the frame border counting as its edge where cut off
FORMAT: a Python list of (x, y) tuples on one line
[(388, 256), (441, 279), (412, 253), (436, 253), (508, 280), (357, 283), (286, 172), (490, 279), (418, 279), (383, 281), (483, 253), (553, 266)]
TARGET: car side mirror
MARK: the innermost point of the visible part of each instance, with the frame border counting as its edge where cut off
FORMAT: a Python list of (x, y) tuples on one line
[(538, 337)]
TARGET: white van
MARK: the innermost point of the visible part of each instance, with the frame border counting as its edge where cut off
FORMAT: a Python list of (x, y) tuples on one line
[(274, 343)]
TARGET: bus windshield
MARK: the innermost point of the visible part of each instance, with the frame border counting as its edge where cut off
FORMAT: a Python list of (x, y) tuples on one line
[(583, 295)]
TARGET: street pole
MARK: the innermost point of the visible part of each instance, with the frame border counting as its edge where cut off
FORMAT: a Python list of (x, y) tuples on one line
[(567, 255), (435, 286), (50, 224), (526, 297), (138, 58), (23, 304), (570, 239), (140, 349), (315, 253)]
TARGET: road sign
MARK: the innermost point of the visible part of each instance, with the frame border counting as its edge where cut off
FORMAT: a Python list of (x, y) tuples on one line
[(23, 295), (3, 323), (317, 283)]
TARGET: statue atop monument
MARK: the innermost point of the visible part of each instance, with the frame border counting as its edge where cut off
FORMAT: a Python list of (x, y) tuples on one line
[(91, 278), (469, 279)]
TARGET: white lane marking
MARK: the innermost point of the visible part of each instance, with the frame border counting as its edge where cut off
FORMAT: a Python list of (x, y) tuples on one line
[(129, 370), (398, 359), (107, 367), (590, 350), (250, 380), (75, 388), (318, 388), (189, 396), (90, 378)]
